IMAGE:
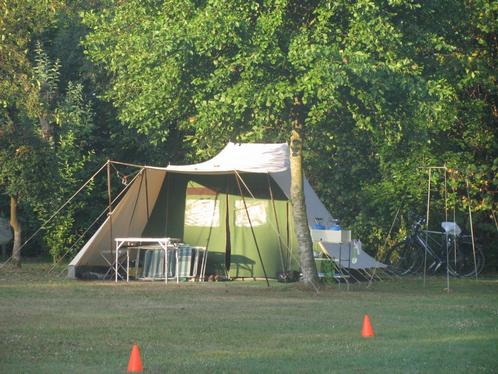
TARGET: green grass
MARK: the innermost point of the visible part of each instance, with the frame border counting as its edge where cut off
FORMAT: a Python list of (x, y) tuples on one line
[(52, 325)]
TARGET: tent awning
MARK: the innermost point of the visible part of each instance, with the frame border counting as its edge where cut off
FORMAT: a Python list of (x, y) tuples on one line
[(350, 257)]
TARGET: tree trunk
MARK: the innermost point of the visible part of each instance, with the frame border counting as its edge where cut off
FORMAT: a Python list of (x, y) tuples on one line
[(16, 226), (304, 243), (46, 127)]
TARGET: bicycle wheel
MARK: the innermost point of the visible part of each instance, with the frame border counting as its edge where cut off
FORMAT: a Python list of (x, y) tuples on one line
[(461, 258), (404, 258)]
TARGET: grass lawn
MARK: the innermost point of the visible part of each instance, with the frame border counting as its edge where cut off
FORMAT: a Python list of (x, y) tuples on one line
[(53, 325)]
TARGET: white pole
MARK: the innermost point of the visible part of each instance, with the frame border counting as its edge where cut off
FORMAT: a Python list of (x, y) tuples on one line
[(471, 228), (445, 194), (454, 241), (446, 219), (494, 218), (116, 263), (127, 264), (109, 197), (177, 265), (166, 261), (427, 221)]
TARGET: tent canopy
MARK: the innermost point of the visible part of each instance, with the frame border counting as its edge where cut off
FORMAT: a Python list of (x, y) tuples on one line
[(246, 158)]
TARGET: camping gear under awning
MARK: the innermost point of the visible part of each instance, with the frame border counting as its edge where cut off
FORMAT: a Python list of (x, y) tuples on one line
[(350, 256)]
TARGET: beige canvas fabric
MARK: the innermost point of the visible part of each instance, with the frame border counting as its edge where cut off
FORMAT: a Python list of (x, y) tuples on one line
[(128, 219)]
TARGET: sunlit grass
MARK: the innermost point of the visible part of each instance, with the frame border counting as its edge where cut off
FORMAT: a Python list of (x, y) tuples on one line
[(51, 324)]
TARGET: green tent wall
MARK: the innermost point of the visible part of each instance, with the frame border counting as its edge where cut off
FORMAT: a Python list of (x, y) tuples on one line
[(232, 247)]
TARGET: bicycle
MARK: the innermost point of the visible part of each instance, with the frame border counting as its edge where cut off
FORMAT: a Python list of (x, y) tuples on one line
[(437, 251)]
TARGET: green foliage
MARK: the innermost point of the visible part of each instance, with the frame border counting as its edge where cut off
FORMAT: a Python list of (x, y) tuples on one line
[(232, 71), (73, 153), (22, 156), (328, 270), (386, 92), (24, 159), (45, 153), (20, 20)]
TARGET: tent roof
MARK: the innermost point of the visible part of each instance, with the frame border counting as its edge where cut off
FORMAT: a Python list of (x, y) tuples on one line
[(250, 158), (270, 158)]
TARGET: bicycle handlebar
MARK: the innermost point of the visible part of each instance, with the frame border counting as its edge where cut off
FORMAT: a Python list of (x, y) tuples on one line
[(418, 224)]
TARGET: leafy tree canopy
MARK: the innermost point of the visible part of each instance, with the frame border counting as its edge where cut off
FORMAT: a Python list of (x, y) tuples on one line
[(386, 90)]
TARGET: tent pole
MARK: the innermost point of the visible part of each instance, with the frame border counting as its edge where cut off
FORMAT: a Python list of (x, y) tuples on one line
[(206, 250), (109, 196), (276, 230), (146, 194), (385, 242), (252, 195), (166, 218), (284, 268), (228, 239), (126, 164), (287, 233), (471, 228), (245, 185), (252, 228), (141, 173)]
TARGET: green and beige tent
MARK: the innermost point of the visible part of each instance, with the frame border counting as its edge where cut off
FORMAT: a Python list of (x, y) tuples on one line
[(236, 205)]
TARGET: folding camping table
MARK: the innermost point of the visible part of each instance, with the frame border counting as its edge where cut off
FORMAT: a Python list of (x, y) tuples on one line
[(128, 244)]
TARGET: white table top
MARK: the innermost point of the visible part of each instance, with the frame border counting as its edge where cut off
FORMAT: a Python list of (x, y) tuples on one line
[(147, 240)]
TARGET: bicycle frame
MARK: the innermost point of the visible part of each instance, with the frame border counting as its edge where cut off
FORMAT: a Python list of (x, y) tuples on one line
[(435, 251), (423, 241), (445, 252)]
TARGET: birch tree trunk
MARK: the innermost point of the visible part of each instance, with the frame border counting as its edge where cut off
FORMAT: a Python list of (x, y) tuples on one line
[(304, 243), (16, 226)]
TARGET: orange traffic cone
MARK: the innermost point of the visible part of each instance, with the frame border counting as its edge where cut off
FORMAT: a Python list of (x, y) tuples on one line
[(367, 329), (135, 363)]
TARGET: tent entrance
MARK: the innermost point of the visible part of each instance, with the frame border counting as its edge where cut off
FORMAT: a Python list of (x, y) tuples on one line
[(234, 228)]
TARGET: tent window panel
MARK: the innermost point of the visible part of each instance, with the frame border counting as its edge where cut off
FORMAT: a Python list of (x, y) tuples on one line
[(202, 213), (257, 213)]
